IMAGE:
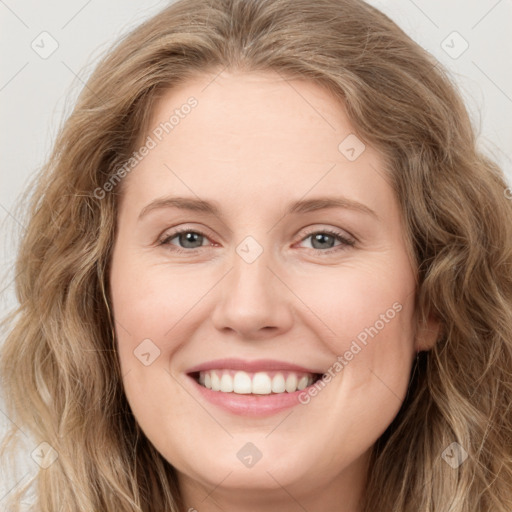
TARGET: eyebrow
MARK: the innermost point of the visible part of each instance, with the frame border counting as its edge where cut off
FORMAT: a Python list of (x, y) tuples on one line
[(300, 206)]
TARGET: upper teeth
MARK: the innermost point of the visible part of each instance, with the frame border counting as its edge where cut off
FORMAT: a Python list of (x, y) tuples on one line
[(259, 383)]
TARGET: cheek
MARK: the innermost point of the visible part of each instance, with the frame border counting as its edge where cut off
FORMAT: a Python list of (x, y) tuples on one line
[(367, 316), (150, 301), (150, 307), (369, 330), (361, 304)]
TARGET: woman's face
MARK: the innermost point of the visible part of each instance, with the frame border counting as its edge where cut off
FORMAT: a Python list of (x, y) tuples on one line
[(292, 264)]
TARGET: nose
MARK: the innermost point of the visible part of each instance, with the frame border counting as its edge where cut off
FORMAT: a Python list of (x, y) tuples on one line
[(253, 300)]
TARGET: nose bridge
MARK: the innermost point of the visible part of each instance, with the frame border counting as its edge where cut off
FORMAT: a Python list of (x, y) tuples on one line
[(252, 298), (250, 271)]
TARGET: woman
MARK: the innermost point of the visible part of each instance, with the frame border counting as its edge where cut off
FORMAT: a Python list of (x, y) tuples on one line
[(260, 370)]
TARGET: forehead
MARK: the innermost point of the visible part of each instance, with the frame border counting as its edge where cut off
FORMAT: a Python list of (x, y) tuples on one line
[(254, 134), (261, 114)]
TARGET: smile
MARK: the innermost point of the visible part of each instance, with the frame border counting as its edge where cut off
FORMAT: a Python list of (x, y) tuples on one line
[(256, 383), (256, 388)]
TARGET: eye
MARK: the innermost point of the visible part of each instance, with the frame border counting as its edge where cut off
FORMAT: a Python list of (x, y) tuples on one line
[(325, 238), (190, 239)]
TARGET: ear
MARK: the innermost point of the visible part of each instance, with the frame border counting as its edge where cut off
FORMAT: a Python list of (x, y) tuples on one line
[(427, 334)]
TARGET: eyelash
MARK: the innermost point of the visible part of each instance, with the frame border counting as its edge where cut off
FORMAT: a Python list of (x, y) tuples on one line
[(345, 242)]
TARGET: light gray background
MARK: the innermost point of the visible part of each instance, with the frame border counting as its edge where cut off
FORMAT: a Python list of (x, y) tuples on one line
[(37, 93)]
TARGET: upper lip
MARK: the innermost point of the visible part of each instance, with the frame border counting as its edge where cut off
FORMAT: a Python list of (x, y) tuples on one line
[(255, 365)]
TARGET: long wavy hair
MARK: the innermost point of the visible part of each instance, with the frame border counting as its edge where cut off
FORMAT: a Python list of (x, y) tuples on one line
[(59, 365)]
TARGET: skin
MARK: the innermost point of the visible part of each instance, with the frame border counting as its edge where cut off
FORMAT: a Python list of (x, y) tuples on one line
[(254, 143)]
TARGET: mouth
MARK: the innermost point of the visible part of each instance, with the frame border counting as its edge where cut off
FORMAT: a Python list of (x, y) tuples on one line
[(241, 382), (252, 388)]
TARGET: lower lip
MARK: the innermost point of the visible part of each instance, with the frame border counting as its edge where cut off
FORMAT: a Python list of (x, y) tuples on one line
[(250, 405)]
